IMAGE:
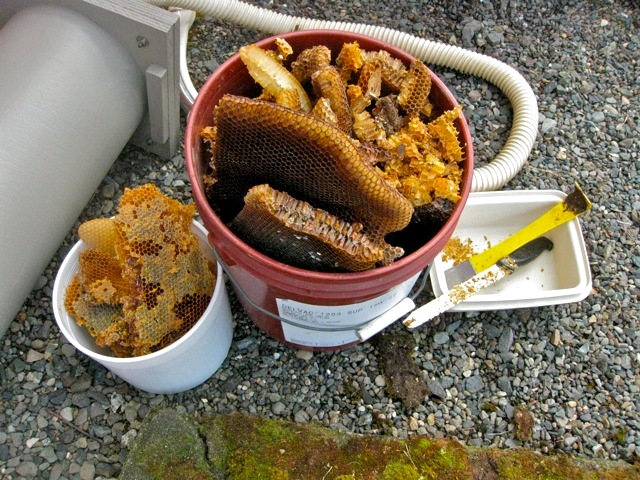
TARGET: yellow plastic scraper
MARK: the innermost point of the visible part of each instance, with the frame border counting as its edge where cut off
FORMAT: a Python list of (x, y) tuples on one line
[(574, 204)]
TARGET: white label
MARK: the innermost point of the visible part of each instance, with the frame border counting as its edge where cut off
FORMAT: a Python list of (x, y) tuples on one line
[(324, 316)]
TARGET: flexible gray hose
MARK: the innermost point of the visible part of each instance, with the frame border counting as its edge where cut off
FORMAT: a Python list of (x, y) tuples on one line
[(492, 176)]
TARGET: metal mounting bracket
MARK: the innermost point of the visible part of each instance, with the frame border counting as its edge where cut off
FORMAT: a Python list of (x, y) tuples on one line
[(151, 35)]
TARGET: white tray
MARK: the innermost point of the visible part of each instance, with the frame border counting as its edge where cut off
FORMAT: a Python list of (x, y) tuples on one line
[(559, 276)]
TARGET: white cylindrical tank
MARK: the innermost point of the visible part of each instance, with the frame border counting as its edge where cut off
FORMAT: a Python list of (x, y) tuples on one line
[(70, 98)]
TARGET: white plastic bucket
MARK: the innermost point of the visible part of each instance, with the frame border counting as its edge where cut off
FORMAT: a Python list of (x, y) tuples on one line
[(184, 364)]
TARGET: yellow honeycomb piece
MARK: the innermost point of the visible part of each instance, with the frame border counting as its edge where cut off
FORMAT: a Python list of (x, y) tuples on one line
[(358, 103), (328, 84), (393, 71), (446, 133), (288, 98), (284, 49), (314, 238), (157, 285), (415, 89), (99, 233), (370, 80), (322, 110), (310, 61), (350, 59)]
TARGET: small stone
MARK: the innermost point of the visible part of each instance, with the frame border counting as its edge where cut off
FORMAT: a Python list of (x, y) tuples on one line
[(446, 382), (128, 437), (301, 416), (278, 408), (34, 356), (56, 471), (245, 343), (67, 413), (380, 381), (453, 326), (569, 441), (547, 125), (49, 454), (82, 384), (474, 384), (495, 38), (441, 338), (365, 420), (475, 95), (510, 443), (470, 30), (274, 397), (68, 350), (117, 402), (556, 339), (27, 469), (212, 64), (436, 389), (109, 191), (96, 410), (41, 282), (504, 384), (491, 331), (305, 355), (87, 471), (413, 424), (31, 442), (506, 340)]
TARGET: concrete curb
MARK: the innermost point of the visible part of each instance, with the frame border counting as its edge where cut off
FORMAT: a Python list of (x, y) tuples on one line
[(172, 445)]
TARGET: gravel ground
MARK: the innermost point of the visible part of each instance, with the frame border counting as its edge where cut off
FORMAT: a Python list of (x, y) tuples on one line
[(573, 366)]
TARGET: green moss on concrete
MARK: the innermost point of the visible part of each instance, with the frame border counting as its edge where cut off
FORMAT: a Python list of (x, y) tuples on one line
[(263, 448), (440, 459), (241, 447), (169, 447), (524, 464), (400, 471)]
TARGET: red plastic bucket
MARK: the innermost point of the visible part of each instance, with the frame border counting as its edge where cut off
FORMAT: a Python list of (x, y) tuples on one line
[(303, 308)]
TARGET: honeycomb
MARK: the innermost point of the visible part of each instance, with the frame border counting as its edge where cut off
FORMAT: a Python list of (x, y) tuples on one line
[(415, 89), (426, 164), (322, 110), (144, 281), (349, 60), (393, 71), (367, 149), (328, 84), (271, 75), (310, 61), (259, 142), (312, 236), (370, 80)]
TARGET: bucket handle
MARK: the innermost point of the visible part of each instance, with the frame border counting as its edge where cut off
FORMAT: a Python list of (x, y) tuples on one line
[(364, 330)]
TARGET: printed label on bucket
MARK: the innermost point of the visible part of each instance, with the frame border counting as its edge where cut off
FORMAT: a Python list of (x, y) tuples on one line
[(307, 317)]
